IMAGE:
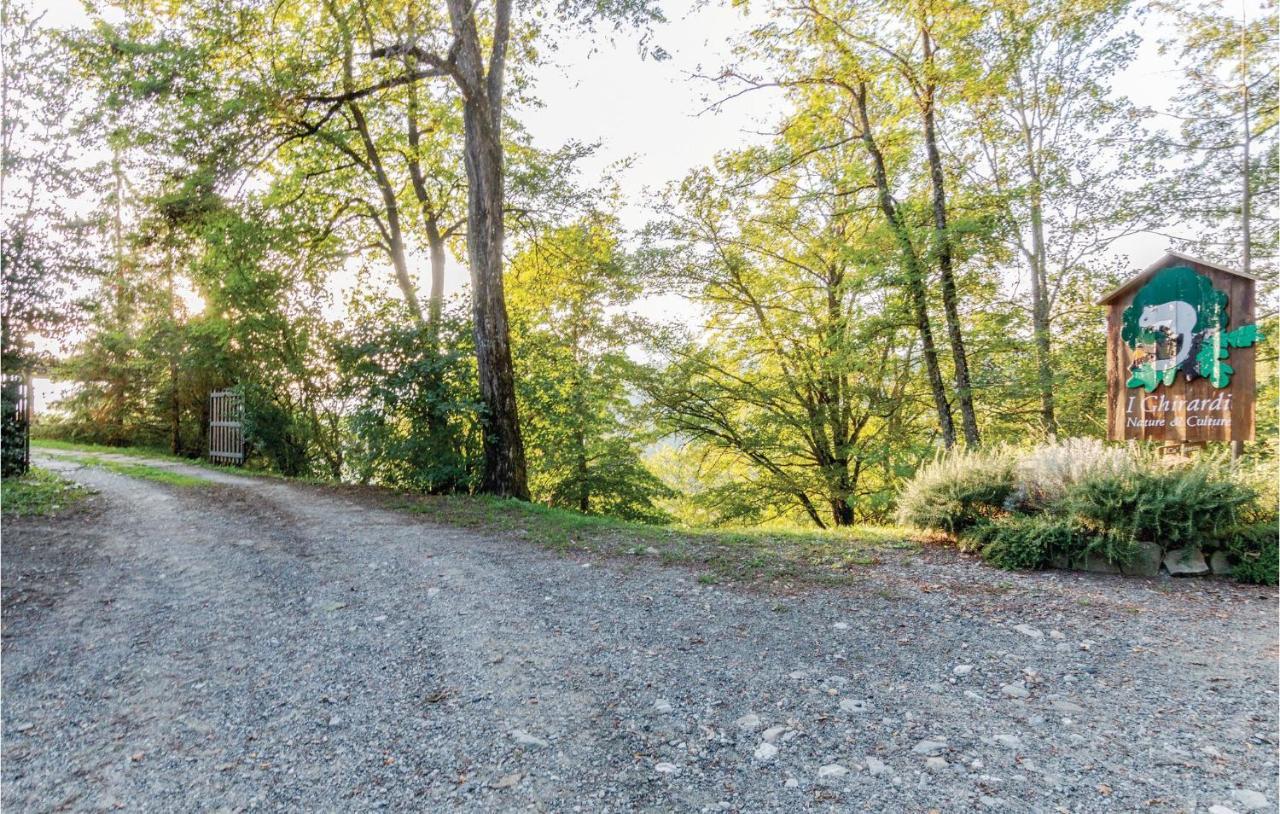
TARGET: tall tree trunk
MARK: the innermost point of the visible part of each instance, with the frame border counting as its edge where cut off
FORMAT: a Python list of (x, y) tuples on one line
[(841, 511), (583, 473), (942, 238), (202, 438), (581, 470), (504, 461), (430, 217), (1246, 197), (917, 294), (435, 305), (1040, 316), (1038, 264), (175, 407)]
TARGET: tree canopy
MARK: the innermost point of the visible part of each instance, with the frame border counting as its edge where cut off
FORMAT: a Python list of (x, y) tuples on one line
[(202, 195)]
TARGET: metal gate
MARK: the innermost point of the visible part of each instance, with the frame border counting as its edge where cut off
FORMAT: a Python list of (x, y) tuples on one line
[(226, 428), (15, 424)]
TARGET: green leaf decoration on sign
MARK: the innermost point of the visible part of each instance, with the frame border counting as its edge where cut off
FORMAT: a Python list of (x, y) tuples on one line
[(1209, 361), (1146, 377), (1164, 298), (1245, 336), (1220, 374)]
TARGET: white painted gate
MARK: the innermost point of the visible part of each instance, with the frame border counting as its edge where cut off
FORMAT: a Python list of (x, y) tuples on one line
[(226, 429)]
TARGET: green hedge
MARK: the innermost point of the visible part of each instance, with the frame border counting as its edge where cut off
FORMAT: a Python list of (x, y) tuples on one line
[(1081, 500)]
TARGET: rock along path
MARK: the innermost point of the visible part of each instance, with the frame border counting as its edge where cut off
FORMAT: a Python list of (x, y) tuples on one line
[(271, 646)]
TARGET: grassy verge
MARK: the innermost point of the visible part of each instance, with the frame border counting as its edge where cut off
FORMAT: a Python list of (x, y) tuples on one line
[(59, 446), (39, 492), (737, 555), (740, 555), (101, 449), (143, 471)]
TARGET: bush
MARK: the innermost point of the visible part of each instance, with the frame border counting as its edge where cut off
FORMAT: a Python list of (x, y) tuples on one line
[(1115, 546), (1022, 542), (1256, 554), (1045, 475), (274, 430), (1079, 499), (416, 418), (1253, 545), (958, 492), (1171, 505), (1026, 542)]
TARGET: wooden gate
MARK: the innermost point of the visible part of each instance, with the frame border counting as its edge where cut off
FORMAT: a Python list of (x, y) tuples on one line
[(15, 424), (226, 428)]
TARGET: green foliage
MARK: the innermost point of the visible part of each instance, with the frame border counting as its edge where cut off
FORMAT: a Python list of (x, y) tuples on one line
[(1255, 553), (958, 492), (1197, 504), (46, 246), (789, 389), (414, 421), (1252, 546), (1219, 51), (1114, 546), (1079, 499), (272, 429), (584, 437), (238, 195), (1020, 542), (39, 492)]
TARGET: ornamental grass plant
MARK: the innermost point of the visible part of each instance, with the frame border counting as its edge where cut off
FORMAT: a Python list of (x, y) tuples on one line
[(1081, 500)]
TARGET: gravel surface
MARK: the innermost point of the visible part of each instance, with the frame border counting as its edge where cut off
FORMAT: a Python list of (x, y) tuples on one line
[(262, 645)]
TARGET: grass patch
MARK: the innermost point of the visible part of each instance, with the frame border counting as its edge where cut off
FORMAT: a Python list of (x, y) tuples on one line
[(724, 555), (143, 471), (39, 493), (102, 449), (95, 450)]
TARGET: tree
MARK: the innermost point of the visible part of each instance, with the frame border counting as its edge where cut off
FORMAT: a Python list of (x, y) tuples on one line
[(1063, 160), (41, 252), (567, 289), (1227, 107), (886, 68), (802, 379), (468, 47)]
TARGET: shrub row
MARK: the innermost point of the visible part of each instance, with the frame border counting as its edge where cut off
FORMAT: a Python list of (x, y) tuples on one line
[(1080, 499)]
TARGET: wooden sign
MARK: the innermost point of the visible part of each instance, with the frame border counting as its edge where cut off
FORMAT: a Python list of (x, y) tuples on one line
[(1180, 356)]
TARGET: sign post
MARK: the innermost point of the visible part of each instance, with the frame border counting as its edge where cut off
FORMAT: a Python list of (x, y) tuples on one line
[(1180, 355)]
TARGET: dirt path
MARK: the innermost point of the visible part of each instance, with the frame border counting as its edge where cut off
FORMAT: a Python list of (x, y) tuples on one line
[(257, 644)]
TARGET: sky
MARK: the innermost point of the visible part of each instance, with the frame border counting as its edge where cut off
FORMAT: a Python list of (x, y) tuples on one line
[(657, 115), (598, 88)]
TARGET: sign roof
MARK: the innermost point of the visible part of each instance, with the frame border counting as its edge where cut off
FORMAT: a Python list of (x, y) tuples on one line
[(1170, 258)]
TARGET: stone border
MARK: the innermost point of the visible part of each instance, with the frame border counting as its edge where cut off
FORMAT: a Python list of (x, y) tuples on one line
[(1153, 560)]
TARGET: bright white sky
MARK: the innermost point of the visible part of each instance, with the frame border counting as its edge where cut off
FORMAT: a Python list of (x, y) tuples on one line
[(655, 113)]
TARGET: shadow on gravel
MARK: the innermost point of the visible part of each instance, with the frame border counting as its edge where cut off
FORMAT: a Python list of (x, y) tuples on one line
[(41, 561)]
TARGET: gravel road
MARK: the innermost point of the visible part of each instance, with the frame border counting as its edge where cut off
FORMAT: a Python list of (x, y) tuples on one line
[(271, 646)]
